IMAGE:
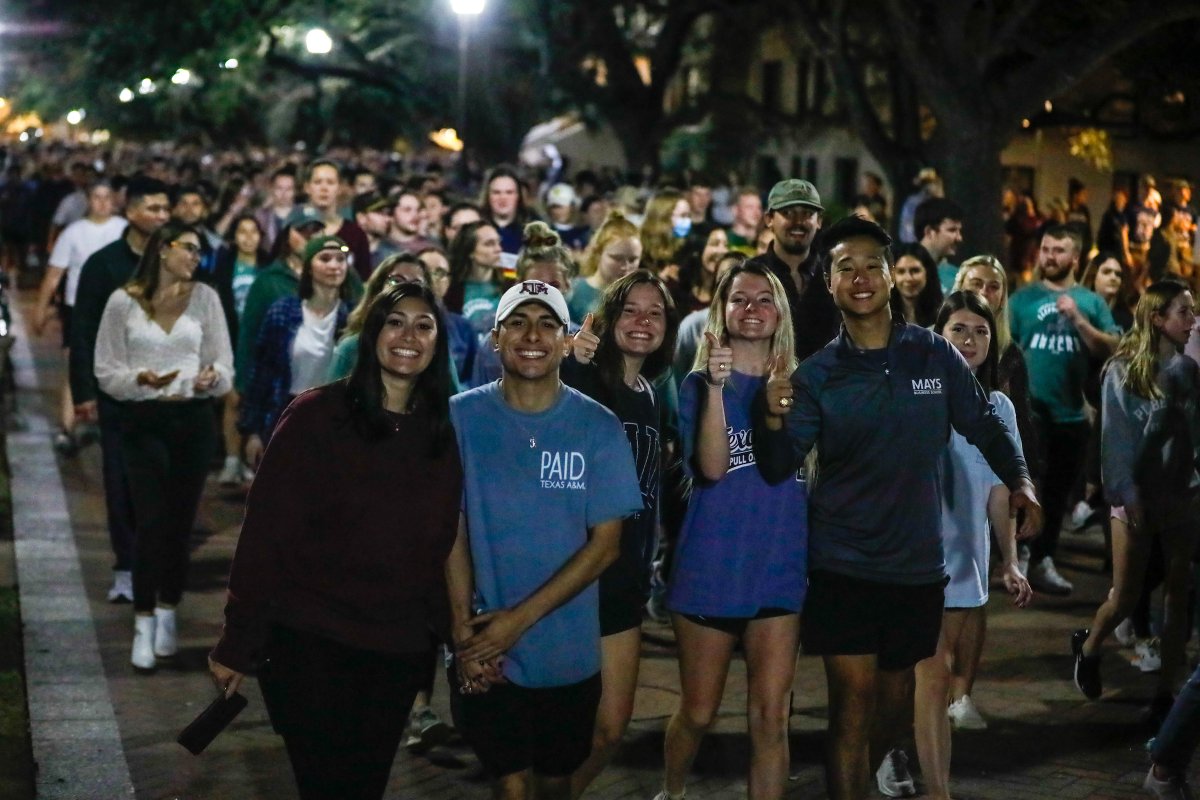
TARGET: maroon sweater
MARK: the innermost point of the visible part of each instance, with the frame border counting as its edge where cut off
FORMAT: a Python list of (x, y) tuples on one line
[(343, 537)]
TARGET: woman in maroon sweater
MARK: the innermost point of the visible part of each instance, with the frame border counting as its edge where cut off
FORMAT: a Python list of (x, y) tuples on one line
[(337, 590)]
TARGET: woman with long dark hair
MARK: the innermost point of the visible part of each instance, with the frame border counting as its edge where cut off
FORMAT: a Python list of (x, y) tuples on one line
[(917, 291), (163, 350), (635, 338), (338, 578), (476, 275), (974, 503)]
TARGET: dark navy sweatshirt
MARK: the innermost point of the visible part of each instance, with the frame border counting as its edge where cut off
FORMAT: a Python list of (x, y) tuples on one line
[(880, 420)]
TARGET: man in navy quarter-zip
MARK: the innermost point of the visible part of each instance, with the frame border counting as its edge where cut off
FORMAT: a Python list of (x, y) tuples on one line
[(878, 402)]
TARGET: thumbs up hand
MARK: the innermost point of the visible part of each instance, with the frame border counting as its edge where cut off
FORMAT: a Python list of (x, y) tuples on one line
[(779, 388), (720, 360), (585, 343)]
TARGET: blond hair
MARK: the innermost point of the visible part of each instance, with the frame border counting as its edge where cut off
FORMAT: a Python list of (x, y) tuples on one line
[(783, 341), (1139, 348), (541, 244), (658, 236), (615, 228), (1003, 327)]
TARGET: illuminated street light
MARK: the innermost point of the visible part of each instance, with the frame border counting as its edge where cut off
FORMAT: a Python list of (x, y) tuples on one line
[(75, 116), (317, 42), (230, 63), (181, 77), (125, 95), (146, 86), (465, 10)]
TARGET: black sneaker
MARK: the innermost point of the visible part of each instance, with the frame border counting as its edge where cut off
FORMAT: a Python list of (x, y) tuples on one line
[(1087, 668)]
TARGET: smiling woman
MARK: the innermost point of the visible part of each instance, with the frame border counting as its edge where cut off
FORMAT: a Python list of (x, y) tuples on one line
[(163, 350), (336, 595)]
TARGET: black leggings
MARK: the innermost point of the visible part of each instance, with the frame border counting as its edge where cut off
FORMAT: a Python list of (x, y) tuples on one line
[(167, 447), (341, 711)]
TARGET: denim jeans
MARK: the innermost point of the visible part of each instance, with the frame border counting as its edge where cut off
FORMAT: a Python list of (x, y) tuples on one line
[(1180, 732)]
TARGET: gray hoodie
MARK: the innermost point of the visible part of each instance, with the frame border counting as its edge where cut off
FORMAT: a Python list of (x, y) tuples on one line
[(1149, 447)]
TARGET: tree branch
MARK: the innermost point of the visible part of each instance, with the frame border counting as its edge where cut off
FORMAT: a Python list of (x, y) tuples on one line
[(1049, 76)]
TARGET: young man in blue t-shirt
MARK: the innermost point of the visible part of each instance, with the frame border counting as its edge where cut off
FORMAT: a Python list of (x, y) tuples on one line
[(548, 478)]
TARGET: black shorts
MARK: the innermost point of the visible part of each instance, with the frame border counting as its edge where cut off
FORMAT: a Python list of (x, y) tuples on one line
[(64, 314), (620, 611), (846, 616), (735, 626), (512, 728)]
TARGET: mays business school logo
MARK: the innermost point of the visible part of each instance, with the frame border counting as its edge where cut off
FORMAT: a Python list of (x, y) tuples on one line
[(927, 386)]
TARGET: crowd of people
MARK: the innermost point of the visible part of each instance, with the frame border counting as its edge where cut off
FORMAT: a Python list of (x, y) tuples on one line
[(510, 427)]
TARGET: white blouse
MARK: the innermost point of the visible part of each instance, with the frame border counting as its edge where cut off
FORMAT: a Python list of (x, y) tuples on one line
[(129, 341)]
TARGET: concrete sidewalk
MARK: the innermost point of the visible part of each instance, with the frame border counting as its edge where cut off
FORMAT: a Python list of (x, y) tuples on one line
[(101, 731)]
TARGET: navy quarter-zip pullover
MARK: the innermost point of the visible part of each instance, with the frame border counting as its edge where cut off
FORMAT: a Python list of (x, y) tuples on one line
[(880, 420)]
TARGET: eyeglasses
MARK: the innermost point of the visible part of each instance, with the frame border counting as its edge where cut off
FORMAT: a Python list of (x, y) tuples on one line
[(439, 274), (188, 247)]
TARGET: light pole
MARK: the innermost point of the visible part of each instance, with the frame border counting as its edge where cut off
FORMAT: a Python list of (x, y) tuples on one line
[(465, 10)]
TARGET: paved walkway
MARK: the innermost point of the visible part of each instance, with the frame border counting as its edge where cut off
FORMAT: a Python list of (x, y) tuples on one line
[(101, 732)]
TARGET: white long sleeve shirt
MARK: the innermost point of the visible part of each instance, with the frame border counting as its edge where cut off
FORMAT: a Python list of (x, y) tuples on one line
[(129, 342)]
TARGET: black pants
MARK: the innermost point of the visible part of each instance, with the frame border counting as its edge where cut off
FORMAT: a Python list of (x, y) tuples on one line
[(118, 503), (167, 447), (341, 711), (1064, 447)]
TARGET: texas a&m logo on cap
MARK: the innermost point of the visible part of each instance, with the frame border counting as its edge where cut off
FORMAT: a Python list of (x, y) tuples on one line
[(535, 288)]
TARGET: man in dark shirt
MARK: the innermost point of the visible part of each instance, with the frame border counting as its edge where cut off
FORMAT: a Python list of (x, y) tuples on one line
[(794, 217), (876, 564), (147, 207)]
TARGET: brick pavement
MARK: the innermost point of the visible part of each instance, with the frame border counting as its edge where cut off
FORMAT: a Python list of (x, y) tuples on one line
[(1044, 740)]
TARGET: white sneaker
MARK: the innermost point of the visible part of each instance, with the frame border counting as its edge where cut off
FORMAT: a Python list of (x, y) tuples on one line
[(893, 777), (122, 587), (1125, 634), (1173, 788), (166, 644), (1146, 656), (1044, 578), (231, 473), (964, 716), (1023, 559), (1080, 514), (142, 655)]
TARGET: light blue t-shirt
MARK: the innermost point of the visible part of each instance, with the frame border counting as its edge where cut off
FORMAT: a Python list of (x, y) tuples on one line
[(967, 480), (533, 486)]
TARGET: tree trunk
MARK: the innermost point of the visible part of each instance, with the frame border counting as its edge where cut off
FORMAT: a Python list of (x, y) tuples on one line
[(966, 153)]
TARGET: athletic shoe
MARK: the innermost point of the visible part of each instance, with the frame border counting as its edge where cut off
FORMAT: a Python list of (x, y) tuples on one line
[(166, 642), (1080, 515), (893, 777), (231, 473), (142, 655), (1125, 634), (122, 587), (1087, 668), (1044, 578), (1146, 656), (65, 444), (426, 731), (1172, 788), (964, 716)]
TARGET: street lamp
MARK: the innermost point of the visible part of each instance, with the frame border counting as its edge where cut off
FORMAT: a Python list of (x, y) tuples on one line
[(318, 42), (465, 10)]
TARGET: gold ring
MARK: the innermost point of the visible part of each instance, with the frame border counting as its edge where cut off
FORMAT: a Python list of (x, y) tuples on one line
[(785, 401)]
